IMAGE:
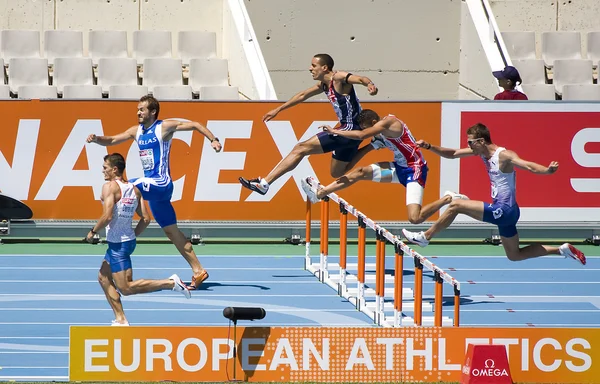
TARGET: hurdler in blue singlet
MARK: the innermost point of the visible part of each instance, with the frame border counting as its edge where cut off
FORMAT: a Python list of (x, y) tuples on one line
[(156, 185)]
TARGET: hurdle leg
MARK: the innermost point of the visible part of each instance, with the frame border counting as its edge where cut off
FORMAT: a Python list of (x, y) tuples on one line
[(398, 281), (377, 282), (324, 266), (418, 291), (361, 262), (342, 290), (307, 260), (439, 298), (380, 278), (456, 306)]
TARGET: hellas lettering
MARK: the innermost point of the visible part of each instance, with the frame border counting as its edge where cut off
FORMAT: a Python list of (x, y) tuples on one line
[(146, 142), (15, 176)]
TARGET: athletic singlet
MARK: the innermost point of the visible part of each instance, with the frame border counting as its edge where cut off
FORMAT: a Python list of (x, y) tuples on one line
[(119, 230), (406, 151), (346, 107), (154, 153), (503, 184)]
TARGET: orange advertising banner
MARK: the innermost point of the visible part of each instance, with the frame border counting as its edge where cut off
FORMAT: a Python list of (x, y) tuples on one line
[(321, 354), (45, 162)]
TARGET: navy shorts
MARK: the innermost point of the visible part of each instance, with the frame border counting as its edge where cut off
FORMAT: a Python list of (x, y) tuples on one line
[(118, 255), (159, 200), (503, 216), (343, 148)]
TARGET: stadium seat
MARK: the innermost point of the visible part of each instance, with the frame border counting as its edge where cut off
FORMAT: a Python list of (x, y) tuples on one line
[(128, 92), (560, 45), (59, 43), (206, 72), (196, 44), (151, 44), (531, 71), (572, 72), (172, 92), (3, 77), (4, 92), (581, 92), (82, 92), (219, 92), (539, 91), (107, 44), (117, 71), (37, 92), (593, 47), (27, 71), (520, 45), (72, 71), (162, 71), (19, 43)]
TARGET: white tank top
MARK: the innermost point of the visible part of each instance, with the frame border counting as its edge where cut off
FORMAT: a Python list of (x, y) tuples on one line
[(120, 229), (503, 184)]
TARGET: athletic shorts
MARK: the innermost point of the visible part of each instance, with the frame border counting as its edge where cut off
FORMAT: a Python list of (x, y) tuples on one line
[(118, 255), (343, 148), (503, 216), (413, 179), (159, 200)]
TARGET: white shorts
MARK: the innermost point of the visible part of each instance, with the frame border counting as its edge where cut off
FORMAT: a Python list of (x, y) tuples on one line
[(412, 179)]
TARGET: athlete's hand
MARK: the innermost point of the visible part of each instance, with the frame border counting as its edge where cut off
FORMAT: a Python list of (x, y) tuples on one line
[(328, 129), (269, 115), (423, 144), (89, 238), (216, 146), (91, 138), (372, 88), (553, 167)]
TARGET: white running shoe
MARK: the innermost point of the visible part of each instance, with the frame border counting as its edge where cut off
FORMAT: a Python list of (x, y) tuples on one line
[(310, 193), (456, 196), (179, 286), (567, 250), (378, 141), (115, 323), (416, 237)]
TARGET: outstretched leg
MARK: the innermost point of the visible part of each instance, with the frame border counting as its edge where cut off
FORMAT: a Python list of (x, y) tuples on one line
[(515, 253)]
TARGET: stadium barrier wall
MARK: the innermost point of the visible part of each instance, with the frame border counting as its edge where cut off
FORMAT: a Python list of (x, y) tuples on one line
[(45, 162), (322, 354)]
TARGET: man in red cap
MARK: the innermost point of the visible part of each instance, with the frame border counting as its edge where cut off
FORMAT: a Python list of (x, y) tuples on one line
[(508, 79)]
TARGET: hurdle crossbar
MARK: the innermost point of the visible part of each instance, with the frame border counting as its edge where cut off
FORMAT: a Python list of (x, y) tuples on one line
[(357, 296)]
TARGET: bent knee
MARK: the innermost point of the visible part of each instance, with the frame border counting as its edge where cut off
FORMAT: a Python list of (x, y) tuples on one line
[(125, 291), (415, 219), (513, 256)]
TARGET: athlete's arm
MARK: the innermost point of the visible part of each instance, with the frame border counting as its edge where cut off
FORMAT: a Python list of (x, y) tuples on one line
[(172, 126), (530, 166), (376, 129), (109, 190), (113, 140), (349, 78), (448, 153), (142, 212), (296, 99)]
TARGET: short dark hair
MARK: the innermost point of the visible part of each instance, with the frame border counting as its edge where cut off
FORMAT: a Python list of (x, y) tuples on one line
[(116, 160), (366, 116), (153, 104), (480, 131), (325, 59)]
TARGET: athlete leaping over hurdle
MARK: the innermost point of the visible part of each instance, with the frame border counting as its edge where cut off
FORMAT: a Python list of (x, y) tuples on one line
[(409, 167), (503, 211)]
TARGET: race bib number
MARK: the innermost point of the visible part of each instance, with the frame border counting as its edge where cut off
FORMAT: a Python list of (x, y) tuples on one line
[(147, 157)]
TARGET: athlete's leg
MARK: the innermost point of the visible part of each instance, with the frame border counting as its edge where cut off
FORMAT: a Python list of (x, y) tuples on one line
[(379, 172), (164, 214), (514, 253), (311, 146), (127, 286), (112, 295)]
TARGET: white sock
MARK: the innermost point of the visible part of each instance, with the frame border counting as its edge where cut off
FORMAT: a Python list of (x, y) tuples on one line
[(263, 183), (563, 248)]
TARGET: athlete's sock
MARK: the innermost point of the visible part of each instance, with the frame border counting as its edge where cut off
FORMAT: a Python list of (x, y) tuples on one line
[(263, 183)]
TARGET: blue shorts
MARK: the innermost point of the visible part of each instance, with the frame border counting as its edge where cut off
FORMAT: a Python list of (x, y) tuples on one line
[(343, 148), (118, 255), (407, 175), (503, 216), (159, 200)]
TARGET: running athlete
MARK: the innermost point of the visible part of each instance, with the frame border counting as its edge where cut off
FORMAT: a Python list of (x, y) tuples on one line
[(409, 168), (338, 86), (153, 138), (503, 211), (120, 200)]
